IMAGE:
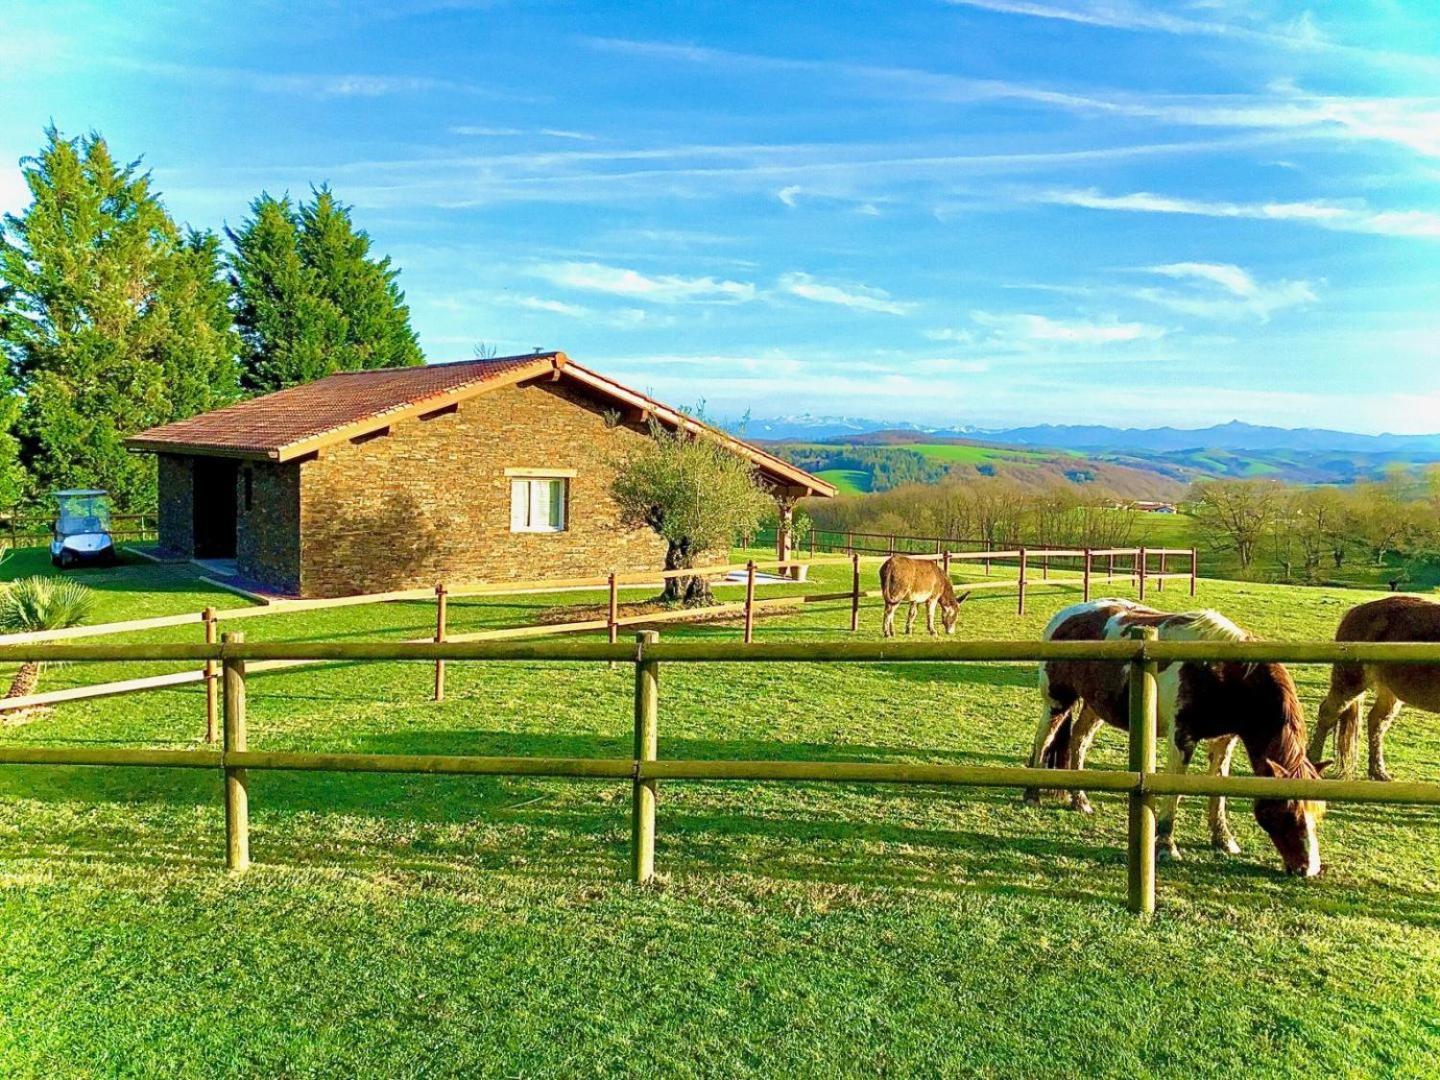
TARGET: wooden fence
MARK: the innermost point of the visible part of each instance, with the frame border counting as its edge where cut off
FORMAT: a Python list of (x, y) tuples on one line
[(745, 610), (645, 769), (26, 529)]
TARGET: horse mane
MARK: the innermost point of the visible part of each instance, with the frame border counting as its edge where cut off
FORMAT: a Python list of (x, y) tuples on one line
[(1208, 625)]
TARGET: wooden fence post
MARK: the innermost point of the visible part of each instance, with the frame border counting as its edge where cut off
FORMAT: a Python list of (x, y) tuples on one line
[(1021, 607), (1140, 560), (854, 591), (1140, 858), (212, 675), (945, 561), (988, 547), (1110, 566), (1088, 561), (647, 745), (749, 601), (237, 782), (440, 614), (1194, 569), (1160, 579), (613, 612), (1045, 567)]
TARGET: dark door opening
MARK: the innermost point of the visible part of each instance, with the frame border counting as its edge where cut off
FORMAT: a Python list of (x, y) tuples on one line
[(214, 504)]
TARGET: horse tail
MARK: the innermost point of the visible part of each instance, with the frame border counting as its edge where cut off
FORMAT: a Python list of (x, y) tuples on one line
[(1057, 754)]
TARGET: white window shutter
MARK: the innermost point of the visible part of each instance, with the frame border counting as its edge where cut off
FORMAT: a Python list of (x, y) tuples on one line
[(519, 504)]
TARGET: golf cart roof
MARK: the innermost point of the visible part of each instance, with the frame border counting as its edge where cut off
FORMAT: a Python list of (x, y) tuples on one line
[(81, 491)]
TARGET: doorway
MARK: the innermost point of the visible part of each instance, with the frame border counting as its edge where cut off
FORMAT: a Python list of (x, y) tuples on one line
[(214, 508)]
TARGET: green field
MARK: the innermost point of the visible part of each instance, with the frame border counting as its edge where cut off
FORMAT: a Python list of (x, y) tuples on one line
[(419, 926), (976, 455), (847, 481)]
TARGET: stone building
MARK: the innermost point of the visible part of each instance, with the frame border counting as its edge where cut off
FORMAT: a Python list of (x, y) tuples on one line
[(484, 470)]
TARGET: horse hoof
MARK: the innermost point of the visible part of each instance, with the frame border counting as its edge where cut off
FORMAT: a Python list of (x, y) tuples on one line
[(1226, 844), (1167, 851), (1031, 798), (1381, 775)]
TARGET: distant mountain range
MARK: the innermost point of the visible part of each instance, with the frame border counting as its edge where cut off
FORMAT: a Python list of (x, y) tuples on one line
[(1233, 436)]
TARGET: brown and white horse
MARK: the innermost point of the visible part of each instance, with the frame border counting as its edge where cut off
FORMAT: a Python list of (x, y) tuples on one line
[(1393, 618), (1215, 703)]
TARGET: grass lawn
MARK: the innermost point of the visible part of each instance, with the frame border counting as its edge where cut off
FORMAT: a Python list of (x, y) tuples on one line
[(415, 926), (847, 481)]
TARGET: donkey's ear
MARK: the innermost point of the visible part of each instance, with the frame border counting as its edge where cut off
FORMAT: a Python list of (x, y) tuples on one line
[(963, 597), (1321, 766), (1277, 768)]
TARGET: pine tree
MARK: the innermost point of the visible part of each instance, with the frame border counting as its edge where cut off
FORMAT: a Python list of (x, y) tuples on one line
[(292, 333), (311, 299), (115, 320)]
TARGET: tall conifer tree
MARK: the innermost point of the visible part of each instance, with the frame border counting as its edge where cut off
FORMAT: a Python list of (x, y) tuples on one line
[(114, 319), (310, 298)]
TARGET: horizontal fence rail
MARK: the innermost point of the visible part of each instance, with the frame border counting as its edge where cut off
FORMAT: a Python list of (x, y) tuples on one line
[(645, 770)]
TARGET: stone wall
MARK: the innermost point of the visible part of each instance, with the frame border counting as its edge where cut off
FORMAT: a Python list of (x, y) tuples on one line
[(431, 501), (177, 507), (267, 524)]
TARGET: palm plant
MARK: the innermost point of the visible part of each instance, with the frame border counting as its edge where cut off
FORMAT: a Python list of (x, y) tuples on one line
[(40, 603)]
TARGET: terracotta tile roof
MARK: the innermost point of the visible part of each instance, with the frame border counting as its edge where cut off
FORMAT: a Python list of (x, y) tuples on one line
[(269, 425), (306, 418)]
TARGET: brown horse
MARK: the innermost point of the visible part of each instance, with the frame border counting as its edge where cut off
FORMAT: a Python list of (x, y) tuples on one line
[(904, 580), (1393, 618), (1214, 703)]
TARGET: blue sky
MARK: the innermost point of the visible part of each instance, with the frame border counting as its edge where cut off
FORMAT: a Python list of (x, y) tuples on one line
[(975, 212)]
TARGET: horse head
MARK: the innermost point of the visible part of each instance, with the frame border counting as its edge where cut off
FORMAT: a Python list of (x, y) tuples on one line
[(1292, 823), (950, 611)]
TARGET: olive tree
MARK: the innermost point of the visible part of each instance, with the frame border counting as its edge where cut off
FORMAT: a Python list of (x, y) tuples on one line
[(697, 494)]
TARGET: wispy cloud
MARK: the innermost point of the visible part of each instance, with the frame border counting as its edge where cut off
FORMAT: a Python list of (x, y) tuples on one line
[(1225, 291), (1343, 217), (1412, 122), (481, 132), (310, 84), (659, 289), (1298, 34), (858, 297), (1043, 330), (788, 195)]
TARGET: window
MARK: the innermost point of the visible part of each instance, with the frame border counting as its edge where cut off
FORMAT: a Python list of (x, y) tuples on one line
[(538, 503)]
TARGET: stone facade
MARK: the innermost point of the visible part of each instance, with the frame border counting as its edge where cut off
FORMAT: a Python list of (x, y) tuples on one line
[(430, 501), (177, 507), (267, 524)]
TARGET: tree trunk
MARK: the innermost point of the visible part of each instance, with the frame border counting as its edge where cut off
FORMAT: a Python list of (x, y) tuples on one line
[(26, 680), (688, 591), (23, 685)]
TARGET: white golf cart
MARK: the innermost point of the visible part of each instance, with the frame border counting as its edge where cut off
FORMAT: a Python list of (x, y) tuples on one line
[(82, 529)]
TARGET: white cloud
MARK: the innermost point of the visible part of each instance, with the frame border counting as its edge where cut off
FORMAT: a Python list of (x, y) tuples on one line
[(1284, 109), (1225, 291), (960, 337), (1023, 327), (1345, 217), (787, 195), (554, 307), (859, 297), (661, 289), (14, 192), (307, 84)]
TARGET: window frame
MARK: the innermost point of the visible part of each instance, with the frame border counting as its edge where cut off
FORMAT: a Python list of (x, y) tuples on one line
[(528, 479)]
